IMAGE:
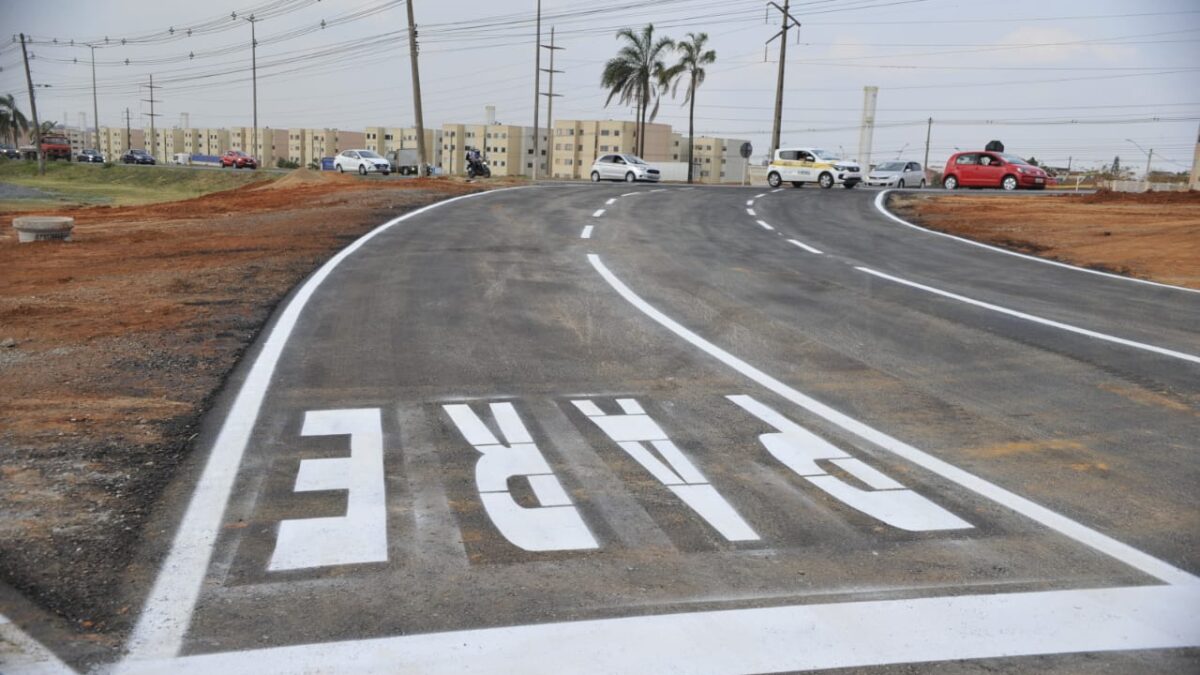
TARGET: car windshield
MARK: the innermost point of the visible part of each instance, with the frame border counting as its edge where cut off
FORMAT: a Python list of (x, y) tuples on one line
[(368, 154), (634, 159), (890, 166), (823, 154), (1013, 159)]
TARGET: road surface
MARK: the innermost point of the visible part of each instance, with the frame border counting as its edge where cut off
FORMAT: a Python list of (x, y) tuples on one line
[(612, 428)]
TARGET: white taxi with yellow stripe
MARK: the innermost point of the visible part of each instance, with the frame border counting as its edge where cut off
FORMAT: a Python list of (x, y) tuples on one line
[(812, 165)]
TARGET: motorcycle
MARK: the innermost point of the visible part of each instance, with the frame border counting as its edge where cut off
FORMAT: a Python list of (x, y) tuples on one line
[(478, 167)]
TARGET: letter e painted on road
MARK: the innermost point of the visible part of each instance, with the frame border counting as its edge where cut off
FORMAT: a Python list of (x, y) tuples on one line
[(360, 536), (799, 449), (554, 525)]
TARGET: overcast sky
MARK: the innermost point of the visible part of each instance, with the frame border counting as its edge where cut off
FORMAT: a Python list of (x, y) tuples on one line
[(959, 61)]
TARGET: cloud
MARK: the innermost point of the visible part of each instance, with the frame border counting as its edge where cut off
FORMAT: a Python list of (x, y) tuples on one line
[(1058, 45)]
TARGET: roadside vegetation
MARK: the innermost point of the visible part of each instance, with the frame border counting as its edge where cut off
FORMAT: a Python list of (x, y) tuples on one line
[(68, 184)]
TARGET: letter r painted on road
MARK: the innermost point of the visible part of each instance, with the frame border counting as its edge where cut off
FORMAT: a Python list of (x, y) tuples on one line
[(360, 536), (631, 429), (554, 525), (799, 449)]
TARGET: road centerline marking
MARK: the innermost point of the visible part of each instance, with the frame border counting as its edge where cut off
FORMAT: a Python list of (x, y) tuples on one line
[(804, 246), (630, 194), (765, 226), (611, 202), (598, 213), (587, 232), (1035, 319), (751, 212), (1028, 508), (749, 202), (760, 195)]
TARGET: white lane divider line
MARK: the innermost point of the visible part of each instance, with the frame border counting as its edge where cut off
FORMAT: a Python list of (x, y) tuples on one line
[(751, 212), (879, 199), (630, 194), (611, 202), (804, 246), (765, 226), (659, 190), (1032, 510), (749, 202), (760, 195), (1036, 319), (587, 233), (777, 190), (598, 213)]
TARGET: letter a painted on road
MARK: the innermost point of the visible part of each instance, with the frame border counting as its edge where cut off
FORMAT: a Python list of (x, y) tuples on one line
[(555, 525)]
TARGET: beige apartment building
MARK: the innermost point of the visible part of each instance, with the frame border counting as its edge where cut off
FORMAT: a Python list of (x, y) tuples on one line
[(386, 139), (717, 160), (272, 143), (309, 146), (113, 142)]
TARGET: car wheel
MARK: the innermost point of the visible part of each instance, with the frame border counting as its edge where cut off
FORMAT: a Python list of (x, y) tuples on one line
[(362, 169), (922, 185), (900, 184), (629, 177), (1009, 183), (595, 176), (825, 181), (774, 180), (341, 169), (951, 183)]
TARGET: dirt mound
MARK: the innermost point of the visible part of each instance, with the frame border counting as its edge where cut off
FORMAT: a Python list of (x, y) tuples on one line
[(1110, 197), (306, 177)]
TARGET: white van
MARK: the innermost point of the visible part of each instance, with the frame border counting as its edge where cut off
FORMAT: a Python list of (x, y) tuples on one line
[(812, 165)]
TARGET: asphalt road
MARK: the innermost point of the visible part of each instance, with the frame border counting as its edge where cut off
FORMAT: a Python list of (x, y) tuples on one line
[(641, 429)]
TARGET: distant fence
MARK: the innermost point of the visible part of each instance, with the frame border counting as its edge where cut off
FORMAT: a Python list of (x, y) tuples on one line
[(1141, 186)]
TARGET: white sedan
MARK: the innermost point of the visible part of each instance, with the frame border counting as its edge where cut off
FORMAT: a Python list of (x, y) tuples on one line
[(620, 166), (897, 174), (362, 161)]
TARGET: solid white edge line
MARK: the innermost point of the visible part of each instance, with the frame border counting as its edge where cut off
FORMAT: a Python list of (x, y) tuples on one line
[(1059, 523), (763, 639), (167, 610), (598, 213), (587, 232), (765, 226), (1036, 319), (879, 199), (21, 654), (804, 246)]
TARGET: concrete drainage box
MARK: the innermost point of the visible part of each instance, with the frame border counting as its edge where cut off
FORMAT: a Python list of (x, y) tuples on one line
[(43, 228)]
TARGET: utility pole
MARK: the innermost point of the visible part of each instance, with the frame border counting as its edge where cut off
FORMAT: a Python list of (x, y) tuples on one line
[(416, 84), (537, 92), (254, 87), (128, 132), (1149, 158), (152, 115), (928, 133), (1195, 178), (550, 103), (37, 127), (95, 105), (782, 34)]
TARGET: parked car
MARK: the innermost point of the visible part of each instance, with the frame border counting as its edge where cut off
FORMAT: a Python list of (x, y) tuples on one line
[(90, 155), (620, 166), (137, 156), (362, 161), (238, 160), (812, 165), (898, 174), (991, 170), (9, 151)]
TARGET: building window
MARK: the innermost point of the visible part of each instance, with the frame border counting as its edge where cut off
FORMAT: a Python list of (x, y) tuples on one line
[(604, 132)]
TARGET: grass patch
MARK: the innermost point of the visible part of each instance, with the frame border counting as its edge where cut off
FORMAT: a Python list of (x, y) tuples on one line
[(71, 183)]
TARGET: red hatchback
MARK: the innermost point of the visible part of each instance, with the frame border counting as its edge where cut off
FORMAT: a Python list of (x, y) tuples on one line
[(992, 170), (238, 160)]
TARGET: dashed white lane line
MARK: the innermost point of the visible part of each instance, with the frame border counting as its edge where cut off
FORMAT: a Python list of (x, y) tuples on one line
[(749, 202), (630, 194), (804, 246), (598, 213), (777, 190), (659, 190), (760, 195), (1028, 508), (765, 226), (751, 212), (587, 233), (611, 202), (1036, 319)]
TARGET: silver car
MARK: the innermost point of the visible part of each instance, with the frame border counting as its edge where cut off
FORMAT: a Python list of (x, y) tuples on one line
[(897, 174), (620, 166)]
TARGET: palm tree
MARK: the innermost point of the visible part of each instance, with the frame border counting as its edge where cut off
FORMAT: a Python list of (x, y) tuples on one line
[(47, 127), (692, 59), (631, 75), (12, 120)]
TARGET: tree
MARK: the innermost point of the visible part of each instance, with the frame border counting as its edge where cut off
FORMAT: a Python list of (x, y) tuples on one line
[(692, 58), (1033, 161), (631, 75), (12, 121), (47, 127)]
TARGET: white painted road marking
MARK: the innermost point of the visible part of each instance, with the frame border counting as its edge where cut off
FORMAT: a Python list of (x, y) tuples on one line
[(765, 226), (21, 654), (168, 609), (632, 429), (587, 232), (758, 640), (777, 190), (611, 202), (879, 199), (799, 449), (751, 212), (1036, 319), (749, 202), (556, 524), (360, 536), (804, 246), (760, 195), (630, 194), (1059, 523), (598, 213)]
